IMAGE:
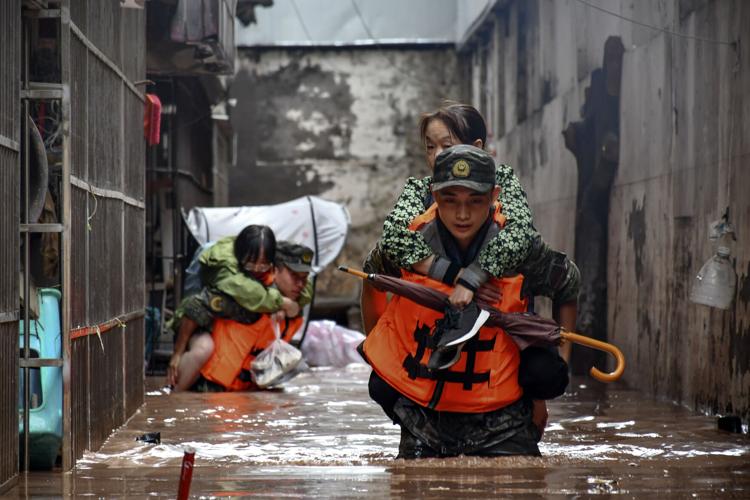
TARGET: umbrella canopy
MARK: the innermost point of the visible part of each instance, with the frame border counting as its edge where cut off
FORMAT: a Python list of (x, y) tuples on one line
[(526, 329)]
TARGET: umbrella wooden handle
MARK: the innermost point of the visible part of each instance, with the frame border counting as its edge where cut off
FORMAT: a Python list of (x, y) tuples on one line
[(355, 272), (602, 346)]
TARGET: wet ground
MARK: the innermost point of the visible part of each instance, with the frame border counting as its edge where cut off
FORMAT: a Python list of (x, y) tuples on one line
[(322, 437)]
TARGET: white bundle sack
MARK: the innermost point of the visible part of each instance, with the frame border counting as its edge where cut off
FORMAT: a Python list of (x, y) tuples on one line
[(329, 344), (277, 361)]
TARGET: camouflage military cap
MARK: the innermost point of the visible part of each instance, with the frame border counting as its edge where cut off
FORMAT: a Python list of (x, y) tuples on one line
[(296, 257), (466, 166)]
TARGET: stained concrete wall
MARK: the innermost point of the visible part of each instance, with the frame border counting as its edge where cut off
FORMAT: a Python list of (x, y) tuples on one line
[(337, 123), (684, 148)]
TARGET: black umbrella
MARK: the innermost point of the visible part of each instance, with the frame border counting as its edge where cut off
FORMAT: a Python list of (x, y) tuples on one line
[(526, 329)]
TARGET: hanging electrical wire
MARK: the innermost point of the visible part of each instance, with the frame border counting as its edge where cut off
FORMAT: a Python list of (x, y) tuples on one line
[(656, 28), (418, 81), (364, 24), (302, 21)]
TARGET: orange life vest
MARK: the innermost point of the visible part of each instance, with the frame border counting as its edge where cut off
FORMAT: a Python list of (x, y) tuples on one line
[(237, 344), (486, 376)]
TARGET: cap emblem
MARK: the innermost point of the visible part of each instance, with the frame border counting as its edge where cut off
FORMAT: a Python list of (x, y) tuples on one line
[(216, 303), (461, 169)]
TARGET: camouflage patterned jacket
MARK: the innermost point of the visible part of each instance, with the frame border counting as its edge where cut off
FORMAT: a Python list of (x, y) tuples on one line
[(546, 272), (503, 253)]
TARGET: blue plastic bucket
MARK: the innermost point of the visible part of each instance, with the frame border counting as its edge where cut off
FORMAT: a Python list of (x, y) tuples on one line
[(45, 415)]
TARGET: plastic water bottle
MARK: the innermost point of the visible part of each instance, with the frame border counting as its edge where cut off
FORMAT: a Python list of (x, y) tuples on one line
[(715, 283)]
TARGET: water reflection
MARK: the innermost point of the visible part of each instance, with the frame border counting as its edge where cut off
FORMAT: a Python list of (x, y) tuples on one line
[(321, 436)]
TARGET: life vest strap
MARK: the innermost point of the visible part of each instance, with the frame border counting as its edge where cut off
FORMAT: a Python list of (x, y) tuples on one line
[(426, 339), (417, 370)]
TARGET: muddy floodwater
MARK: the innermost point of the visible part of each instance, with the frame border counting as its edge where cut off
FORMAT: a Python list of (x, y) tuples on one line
[(322, 437)]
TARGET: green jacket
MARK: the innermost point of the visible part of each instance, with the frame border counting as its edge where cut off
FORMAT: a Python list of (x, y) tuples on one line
[(220, 270)]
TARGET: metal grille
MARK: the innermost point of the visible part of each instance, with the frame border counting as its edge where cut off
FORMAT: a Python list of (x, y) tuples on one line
[(78, 9), (134, 346), (79, 396), (10, 37), (78, 101), (135, 149), (133, 48), (8, 401), (105, 261), (78, 258), (135, 245), (104, 26), (107, 233), (9, 214), (106, 394), (104, 114)]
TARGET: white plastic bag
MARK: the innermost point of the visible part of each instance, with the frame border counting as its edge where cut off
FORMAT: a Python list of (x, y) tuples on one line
[(276, 363), (329, 344)]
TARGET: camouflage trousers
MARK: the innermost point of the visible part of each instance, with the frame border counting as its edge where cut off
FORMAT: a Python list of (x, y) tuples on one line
[(209, 304)]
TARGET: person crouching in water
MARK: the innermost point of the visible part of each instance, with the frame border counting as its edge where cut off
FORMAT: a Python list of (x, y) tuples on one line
[(472, 403), (236, 344), (236, 274)]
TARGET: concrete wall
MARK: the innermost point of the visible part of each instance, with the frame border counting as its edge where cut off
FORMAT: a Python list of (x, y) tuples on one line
[(338, 123), (684, 148)]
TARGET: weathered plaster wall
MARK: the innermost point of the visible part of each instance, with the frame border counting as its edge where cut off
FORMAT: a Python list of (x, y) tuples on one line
[(685, 141), (337, 123), (684, 148)]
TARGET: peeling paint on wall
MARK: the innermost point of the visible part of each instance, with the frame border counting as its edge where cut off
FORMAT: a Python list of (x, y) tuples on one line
[(336, 123), (637, 234), (296, 108), (677, 172)]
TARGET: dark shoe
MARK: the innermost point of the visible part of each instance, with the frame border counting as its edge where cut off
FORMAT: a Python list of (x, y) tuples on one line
[(444, 357), (461, 325)]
